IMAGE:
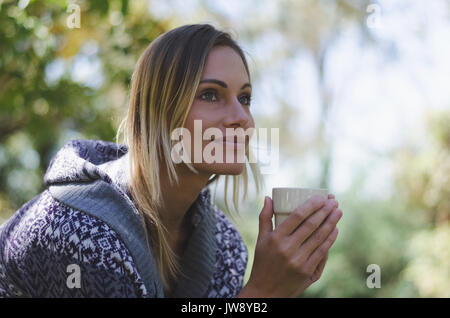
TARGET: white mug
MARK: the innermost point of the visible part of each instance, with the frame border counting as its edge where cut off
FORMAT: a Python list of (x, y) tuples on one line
[(286, 200)]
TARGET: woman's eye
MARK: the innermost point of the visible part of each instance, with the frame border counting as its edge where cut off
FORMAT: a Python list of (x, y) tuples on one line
[(246, 100), (210, 96)]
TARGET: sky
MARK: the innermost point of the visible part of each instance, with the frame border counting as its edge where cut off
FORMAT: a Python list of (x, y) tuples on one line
[(384, 104)]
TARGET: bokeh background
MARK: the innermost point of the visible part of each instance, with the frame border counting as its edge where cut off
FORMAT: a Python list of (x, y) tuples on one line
[(358, 89)]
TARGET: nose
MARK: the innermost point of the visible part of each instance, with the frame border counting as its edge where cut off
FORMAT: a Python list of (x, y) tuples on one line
[(237, 115)]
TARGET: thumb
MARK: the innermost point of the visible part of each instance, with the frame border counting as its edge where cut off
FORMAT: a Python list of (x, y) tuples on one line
[(265, 217)]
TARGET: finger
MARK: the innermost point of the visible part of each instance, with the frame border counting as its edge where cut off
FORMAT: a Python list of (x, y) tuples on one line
[(332, 197), (310, 224), (320, 235), (320, 267), (322, 250), (322, 263), (265, 217), (300, 214)]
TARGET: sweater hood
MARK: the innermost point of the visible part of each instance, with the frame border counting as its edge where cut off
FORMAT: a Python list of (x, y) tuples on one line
[(86, 161)]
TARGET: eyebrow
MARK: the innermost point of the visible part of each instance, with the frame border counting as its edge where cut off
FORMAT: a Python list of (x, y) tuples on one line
[(223, 84)]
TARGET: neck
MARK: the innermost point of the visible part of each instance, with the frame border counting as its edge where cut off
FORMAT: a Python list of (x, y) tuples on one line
[(178, 197)]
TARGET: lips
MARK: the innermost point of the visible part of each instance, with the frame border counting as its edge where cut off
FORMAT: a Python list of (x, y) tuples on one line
[(232, 139)]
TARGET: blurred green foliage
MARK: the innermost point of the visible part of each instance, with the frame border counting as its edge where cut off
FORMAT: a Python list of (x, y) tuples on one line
[(46, 95), (423, 183)]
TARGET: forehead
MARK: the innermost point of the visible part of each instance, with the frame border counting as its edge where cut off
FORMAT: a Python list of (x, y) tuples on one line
[(224, 63)]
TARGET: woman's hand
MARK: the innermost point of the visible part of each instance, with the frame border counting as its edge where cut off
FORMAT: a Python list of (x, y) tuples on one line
[(292, 257)]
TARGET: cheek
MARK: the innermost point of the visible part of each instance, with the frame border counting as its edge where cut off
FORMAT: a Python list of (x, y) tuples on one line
[(208, 118)]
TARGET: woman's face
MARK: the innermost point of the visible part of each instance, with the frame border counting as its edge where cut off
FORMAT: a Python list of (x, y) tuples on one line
[(222, 101)]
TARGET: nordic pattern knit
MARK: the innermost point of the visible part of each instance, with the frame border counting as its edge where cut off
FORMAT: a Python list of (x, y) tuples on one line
[(45, 236)]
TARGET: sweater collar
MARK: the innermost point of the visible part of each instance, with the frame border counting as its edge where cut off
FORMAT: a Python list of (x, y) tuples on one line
[(198, 260)]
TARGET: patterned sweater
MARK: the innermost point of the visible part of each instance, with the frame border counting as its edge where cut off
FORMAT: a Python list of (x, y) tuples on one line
[(52, 248)]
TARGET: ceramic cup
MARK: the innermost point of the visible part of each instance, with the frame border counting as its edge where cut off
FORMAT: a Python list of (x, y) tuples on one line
[(286, 200)]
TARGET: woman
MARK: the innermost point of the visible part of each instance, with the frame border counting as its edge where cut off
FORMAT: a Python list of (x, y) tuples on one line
[(127, 221)]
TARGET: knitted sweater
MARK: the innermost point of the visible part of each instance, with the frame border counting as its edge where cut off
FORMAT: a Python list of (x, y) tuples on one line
[(83, 236)]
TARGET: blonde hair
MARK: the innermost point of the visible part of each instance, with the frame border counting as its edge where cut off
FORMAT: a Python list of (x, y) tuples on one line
[(163, 88)]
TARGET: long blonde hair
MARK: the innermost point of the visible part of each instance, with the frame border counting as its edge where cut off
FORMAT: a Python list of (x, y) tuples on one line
[(163, 88)]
